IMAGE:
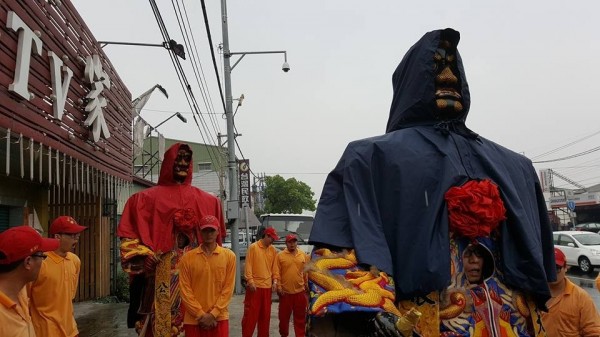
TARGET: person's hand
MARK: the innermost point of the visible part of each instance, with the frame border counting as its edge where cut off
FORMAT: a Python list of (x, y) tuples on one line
[(207, 321), (251, 287), (274, 287), (150, 263), (135, 264)]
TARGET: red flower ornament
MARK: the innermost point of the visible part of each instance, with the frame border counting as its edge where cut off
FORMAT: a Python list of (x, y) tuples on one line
[(185, 219), (475, 209)]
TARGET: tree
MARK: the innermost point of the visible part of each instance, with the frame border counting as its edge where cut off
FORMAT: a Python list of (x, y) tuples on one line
[(287, 196)]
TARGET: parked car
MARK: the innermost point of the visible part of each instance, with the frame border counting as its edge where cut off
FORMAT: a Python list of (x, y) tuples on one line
[(581, 248), (588, 227)]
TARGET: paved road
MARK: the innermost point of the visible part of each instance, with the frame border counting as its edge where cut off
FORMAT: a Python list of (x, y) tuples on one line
[(109, 320)]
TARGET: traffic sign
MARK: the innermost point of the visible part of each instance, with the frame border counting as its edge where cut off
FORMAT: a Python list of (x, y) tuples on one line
[(571, 205)]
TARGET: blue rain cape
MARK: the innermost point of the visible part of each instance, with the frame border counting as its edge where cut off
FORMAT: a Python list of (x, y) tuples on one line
[(385, 197)]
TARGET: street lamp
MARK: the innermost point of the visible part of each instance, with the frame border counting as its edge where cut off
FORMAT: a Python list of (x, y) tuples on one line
[(233, 206), (177, 48), (178, 114)]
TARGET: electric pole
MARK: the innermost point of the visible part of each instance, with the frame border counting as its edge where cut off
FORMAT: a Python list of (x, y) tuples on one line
[(233, 208), (233, 204)]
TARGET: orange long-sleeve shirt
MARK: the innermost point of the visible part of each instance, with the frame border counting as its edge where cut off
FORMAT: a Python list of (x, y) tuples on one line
[(52, 294), (291, 270), (261, 265), (206, 283), (14, 317), (572, 314)]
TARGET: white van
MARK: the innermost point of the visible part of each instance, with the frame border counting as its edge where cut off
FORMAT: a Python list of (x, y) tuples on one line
[(285, 224)]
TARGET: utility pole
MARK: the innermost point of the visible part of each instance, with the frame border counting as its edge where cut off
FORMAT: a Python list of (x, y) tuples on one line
[(233, 208), (222, 193), (233, 204)]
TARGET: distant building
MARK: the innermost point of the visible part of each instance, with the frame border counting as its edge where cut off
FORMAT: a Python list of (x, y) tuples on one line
[(586, 204)]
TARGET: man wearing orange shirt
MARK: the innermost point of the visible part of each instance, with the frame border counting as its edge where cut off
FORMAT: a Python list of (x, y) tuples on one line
[(21, 255), (261, 274), (206, 281), (292, 287), (571, 310), (51, 304)]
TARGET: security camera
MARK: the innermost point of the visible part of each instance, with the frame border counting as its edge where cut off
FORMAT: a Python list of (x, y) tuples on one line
[(285, 67)]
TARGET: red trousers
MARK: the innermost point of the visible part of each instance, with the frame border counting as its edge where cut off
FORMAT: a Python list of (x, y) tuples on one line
[(221, 330), (296, 303), (257, 309)]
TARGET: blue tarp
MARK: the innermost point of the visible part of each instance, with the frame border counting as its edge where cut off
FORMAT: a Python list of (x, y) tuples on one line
[(385, 197)]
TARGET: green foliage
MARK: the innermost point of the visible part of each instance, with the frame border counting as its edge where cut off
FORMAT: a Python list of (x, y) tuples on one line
[(122, 292), (287, 196)]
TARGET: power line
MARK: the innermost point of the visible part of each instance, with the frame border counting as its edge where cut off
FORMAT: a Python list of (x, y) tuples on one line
[(592, 150), (299, 173), (198, 71), (566, 145), (182, 78), (182, 112), (212, 53)]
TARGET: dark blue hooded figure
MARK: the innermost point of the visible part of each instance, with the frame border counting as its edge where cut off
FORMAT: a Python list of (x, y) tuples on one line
[(385, 197)]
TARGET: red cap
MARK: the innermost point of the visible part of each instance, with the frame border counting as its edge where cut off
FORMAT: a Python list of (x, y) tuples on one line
[(559, 257), (209, 221), (17, 243), (272, 233), (65, 224), (291, 237)]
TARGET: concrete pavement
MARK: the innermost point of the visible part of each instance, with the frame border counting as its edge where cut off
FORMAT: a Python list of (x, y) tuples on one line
[(110, 319)]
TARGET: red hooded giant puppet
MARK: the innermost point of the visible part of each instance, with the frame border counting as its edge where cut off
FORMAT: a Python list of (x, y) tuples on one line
[(158, 225)]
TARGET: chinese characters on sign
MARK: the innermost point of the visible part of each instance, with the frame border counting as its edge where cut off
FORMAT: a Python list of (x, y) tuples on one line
[(244, 172), (30, 42), (99, 80)]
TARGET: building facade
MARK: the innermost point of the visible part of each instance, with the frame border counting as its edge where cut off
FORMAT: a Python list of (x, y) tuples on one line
[(65, 132)]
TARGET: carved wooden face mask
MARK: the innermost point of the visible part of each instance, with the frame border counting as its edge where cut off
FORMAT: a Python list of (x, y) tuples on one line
[(181, 165), (447, 86)]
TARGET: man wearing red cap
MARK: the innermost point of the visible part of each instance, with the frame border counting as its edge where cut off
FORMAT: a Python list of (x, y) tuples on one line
[(292, 287), (157, 227), (21, 256), (207, 278), (51, 304), (261, 273), (571, 310)]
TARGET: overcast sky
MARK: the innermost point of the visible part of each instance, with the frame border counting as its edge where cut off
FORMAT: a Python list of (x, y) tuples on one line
[(533, 69)]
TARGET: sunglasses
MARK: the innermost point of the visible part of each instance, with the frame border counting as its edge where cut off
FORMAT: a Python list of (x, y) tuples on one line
[(40, 255), (559, 268)]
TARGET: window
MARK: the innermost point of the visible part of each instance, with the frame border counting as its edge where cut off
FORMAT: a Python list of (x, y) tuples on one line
[(565, 240), (205, 166)]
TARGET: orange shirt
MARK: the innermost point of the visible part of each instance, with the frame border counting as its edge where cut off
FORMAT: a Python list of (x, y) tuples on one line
[(14, 317), (261, 265), (206, 283), (52, 294), (291, 269), (572, 314)]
